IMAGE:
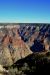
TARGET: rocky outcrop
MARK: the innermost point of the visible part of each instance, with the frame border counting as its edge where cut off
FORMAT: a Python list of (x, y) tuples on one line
[(5, 57), (3, 71)]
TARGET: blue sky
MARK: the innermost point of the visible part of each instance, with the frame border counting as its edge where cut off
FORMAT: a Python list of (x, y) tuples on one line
[(35, 11)]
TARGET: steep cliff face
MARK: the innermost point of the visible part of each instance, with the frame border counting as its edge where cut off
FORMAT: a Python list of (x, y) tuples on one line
[(15, 42), (13, 49)]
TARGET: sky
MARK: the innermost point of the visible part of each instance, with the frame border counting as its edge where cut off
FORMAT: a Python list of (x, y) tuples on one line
[(25, 11)]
